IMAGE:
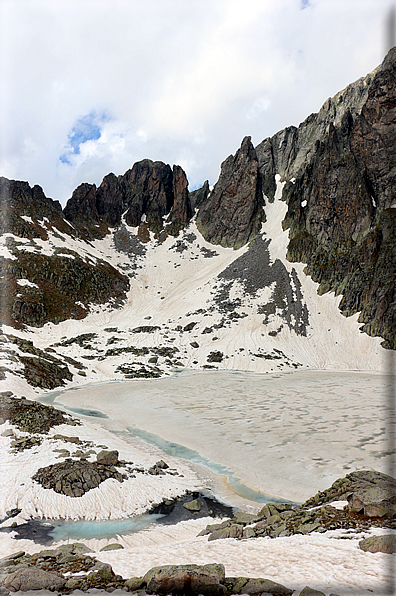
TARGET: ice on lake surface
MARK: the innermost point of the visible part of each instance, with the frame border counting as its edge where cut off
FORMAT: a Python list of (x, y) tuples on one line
[(287, 435)]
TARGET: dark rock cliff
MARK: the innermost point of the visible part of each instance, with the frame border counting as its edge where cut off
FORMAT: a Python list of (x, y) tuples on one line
[(146, 193), (26, 212), (340, 168), (53, 287), (340, 216), (232, 214)]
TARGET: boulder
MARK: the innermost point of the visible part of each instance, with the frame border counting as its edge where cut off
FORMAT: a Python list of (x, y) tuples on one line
[(257, 585), (233, 531), (379, 544), (181, 579), (307, 591), (373, 502), (107, 458), (134, 583), (195, 505), (363, 489), (32, 578)]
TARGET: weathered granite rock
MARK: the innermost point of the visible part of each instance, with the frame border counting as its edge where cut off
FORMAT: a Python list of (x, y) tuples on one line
[(107, 458), (194, 505), (134, 583), (232, 531), (181, 579), (374, 502), (75, 478), (372, 493), (233, 213), (379, 544), (114, 546), (33, 579), (371, 490)]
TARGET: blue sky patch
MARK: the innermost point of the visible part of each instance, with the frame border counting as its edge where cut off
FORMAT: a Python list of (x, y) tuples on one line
[(87, 128)]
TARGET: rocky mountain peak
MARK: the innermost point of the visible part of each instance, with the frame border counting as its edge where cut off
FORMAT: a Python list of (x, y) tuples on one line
[(149, 190), (232, 214)]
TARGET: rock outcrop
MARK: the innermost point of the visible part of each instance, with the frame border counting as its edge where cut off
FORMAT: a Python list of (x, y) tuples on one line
[(30, 416), (39, 286), (26, 212), (75, 478), (379, 544), (342, 224), (146, 193), (69, 568), (233, 212), (370, 496)]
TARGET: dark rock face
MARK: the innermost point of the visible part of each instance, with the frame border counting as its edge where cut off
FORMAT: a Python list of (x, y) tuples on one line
[(340, 211), (199, 196), (254, 271), (62, 284), (18, 200), (232, 214), (149, 189), (182, 211)]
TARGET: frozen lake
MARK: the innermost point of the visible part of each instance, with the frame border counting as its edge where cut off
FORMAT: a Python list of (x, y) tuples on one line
[(286, 435)]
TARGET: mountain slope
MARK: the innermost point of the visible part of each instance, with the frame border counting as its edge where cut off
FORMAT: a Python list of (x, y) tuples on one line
[(138, 277)]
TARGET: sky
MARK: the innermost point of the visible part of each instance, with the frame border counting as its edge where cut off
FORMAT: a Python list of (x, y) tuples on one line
[(90, 87)]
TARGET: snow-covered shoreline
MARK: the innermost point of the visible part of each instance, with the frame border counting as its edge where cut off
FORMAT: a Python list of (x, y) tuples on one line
[(331, 561)]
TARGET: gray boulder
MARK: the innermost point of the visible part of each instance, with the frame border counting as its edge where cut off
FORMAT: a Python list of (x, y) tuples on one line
[(258, 585), (373, 502), (379, 544), (32, 578), (233, 531), (107, 458), (307, 591), (181, 579)]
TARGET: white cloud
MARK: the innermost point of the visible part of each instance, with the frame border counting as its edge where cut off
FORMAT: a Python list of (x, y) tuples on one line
[(182, 82)]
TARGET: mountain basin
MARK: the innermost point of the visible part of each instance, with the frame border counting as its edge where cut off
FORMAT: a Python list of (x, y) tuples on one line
[(283, 436)]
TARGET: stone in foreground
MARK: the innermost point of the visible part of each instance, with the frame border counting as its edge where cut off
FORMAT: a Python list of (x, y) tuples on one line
[(33, 579), (379, 544), (255, 586), (186, 579)]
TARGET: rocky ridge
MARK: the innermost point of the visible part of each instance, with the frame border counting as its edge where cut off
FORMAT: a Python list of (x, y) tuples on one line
[(370, 500), (232, 214), (338, 167)]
